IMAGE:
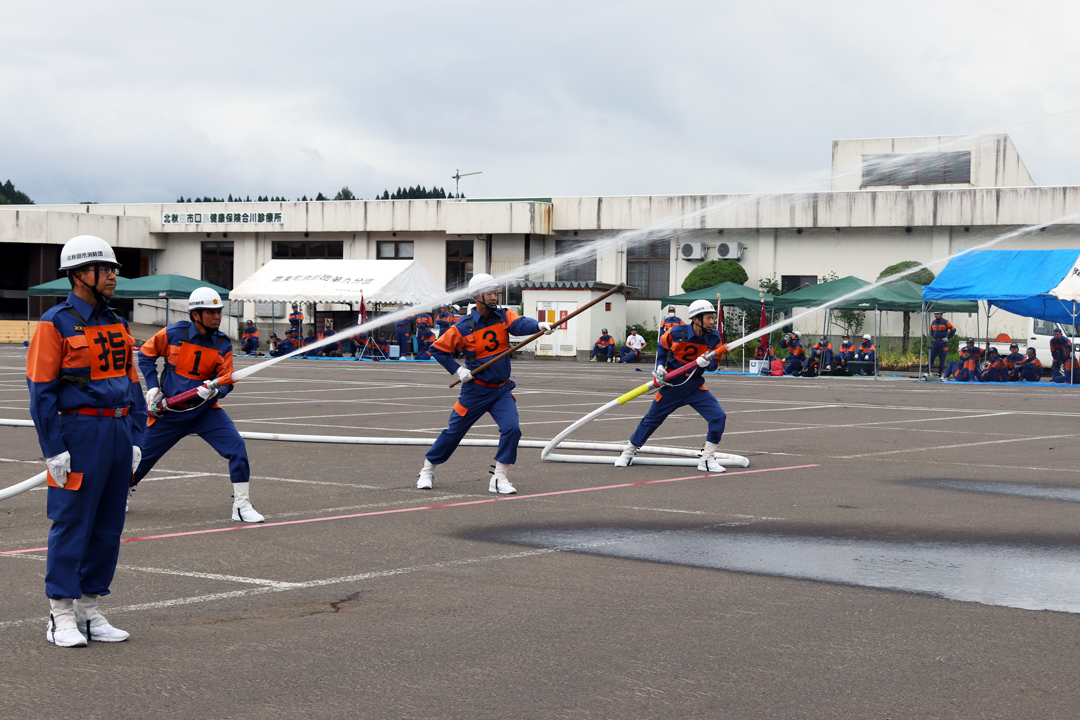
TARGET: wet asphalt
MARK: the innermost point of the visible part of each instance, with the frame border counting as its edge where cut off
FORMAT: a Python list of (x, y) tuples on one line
[(894, 550)]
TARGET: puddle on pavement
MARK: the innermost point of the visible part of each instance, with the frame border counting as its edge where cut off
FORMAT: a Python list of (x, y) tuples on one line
[(1026, 577), (1026, 490)]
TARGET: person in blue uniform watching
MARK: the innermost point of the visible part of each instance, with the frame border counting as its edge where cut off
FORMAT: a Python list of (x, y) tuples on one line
[(966, 369), (250, 342), (481, 335), (296, 319), (424, 320), (670, 321), (310, 340), (86, 404), (444, 319), (796, 354), (1030, 368), (866, 350), (941, 330), (1060, 351), (401, 333), (997, 370), (677, 347), (286, 346), (1012, 360), (822, 354), (604, 347), (424, 340), (845, 353), (1070, 371), (196, 356), (332, 349)]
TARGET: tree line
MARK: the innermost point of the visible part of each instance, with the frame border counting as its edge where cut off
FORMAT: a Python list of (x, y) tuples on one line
[(417, 192), (10, 196)]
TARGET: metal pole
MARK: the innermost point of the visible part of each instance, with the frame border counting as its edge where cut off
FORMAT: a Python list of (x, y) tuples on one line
[(743, 348), (922, 334), (877, 331)]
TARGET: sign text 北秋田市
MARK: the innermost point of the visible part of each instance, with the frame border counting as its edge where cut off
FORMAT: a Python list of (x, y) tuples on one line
[(219, 218)]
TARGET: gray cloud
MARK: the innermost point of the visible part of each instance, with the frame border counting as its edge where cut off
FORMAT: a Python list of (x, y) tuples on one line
[(143, 102)]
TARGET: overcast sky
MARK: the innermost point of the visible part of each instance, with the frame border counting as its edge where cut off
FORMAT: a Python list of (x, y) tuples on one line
[(144, 102)]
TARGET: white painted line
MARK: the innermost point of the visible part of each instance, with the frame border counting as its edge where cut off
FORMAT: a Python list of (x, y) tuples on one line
[(950, 447)]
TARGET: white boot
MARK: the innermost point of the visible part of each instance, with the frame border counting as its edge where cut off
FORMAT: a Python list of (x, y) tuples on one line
[(426, 476), (707, 461), (627, 456), (62, 629), (499, 484), (241, 505), (127, 502), (96, 626)]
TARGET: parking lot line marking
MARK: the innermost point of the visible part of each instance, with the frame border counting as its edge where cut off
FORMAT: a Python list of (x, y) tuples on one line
[(434, 507), (949, 447)]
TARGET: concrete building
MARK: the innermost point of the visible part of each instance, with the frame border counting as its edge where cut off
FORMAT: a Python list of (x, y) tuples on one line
[(892, 199)]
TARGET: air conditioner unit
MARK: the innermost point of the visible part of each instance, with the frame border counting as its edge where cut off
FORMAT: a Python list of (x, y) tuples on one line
[(730, 250), (693, 251)]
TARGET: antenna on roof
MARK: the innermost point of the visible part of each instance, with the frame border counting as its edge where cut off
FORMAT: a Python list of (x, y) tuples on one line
[(457, 179)]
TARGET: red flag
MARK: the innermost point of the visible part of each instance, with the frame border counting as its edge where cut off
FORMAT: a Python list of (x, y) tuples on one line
[(762, 324), (363, 310), (720, 319)]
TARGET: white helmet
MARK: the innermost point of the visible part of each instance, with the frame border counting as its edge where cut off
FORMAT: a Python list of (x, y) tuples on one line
[(204, 299), (482, 282), (797, 334), (86, 250), (867, 337), (700, 307)]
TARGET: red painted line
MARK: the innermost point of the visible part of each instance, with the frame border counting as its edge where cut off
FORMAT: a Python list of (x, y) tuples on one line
[(430, 507)]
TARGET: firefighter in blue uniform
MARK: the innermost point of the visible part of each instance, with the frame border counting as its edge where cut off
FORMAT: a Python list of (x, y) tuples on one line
[(481, 335), (1030, 368), (997, 370), (401, 333), (1060, 350), (823, 354), (677, 347), (1013, 359), (85, 400), (424, 340), (796, 354), (332, 349), (444, 319), (942, 331), (250, 343), (670, 321), (604, 345), (286, 346), (196, 354), (296, 319)]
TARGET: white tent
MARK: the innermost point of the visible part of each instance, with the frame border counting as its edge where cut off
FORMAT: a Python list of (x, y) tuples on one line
[(340, 281)]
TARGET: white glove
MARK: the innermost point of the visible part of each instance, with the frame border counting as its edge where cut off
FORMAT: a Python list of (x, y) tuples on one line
[(702, 361), (59, 467), (463, 374), (136, 457), (659, 374), (153, 395), (206, 392), (546, 327)]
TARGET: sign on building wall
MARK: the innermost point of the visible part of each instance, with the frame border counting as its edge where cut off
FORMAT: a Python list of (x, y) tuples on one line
[(215, 218)]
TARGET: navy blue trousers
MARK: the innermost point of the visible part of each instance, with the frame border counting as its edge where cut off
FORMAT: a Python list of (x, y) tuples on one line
[(470, 407), (211, 424), (402, 335), (671, 398), (607, 351), (84, 540), (938, 351)]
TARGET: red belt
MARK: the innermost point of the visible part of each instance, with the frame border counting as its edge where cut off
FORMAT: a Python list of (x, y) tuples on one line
[(98, 412), (481, 383)]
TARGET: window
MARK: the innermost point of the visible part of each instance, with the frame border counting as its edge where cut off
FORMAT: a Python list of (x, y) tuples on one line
[(917, 169), (459, 263), (791, 283), (393, 250), (648, 269), (217, 263), (583, 266), (314, 249)]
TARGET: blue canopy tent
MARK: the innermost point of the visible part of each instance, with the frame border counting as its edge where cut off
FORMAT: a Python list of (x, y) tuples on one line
[(1042, 284)]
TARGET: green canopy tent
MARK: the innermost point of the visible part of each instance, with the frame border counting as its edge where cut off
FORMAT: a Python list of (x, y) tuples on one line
[(170, 287), (732, 295), (815, 295)]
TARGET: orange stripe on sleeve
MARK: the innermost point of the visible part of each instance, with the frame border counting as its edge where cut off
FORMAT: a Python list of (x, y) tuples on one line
[(43, 360), (448, 341), (155, 346)]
